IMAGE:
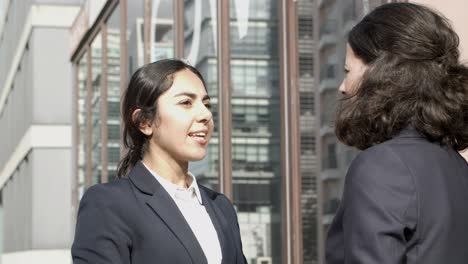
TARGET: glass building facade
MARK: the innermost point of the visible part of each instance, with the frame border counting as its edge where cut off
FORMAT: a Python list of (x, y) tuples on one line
[(272, 69)]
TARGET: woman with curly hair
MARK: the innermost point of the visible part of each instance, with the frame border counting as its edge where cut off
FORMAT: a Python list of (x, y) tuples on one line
[(406, 106)]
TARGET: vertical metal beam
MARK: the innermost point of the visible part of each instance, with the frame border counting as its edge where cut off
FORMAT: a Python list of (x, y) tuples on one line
[(290, 134), (178, 27), (123, 61), (318, 137), (123, 46), (295, 144), (147, 31), (89, 91), (76, 130), (104, 117), (224, 105), (285, 196)]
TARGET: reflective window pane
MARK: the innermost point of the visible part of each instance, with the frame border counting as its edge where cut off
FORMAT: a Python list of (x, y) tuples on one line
[(82, 135), (308, 155), (200, 51), (256, 127), (113, 93), (335, 19), (96, 107), (162, 28), (135, 35)]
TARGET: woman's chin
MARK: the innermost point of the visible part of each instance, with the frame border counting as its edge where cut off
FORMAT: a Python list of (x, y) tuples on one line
[(197, 156)]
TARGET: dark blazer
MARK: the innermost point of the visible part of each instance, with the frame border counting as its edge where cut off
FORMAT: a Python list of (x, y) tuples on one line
[(404, 201), (134, 220)]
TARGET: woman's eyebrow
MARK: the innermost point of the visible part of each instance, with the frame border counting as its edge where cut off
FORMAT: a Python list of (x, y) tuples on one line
[(191, 95)]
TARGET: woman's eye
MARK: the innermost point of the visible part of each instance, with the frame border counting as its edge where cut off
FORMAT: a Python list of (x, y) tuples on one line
[(208, 106), (186, 103), (346, 71)]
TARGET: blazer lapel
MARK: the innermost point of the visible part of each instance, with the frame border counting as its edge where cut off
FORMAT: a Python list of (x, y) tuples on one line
[(165, 207), (221, 225)]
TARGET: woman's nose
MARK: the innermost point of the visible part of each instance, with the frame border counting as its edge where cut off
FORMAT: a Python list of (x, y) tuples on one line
[(204, 114), (342, 88)]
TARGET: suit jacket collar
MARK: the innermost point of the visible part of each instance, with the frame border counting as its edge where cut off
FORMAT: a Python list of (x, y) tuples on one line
[(221, 225), (165, 207), (409, 131), (172, 188), (143, 180)]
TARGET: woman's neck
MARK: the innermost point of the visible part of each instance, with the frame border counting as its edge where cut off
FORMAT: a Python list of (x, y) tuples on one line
[(170, 169)]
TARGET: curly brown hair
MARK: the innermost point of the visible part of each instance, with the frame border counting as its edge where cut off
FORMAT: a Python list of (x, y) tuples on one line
[(414, 79)]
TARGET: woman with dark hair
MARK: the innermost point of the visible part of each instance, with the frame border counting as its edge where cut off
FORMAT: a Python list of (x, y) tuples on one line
[(406, 106), (156, 212)]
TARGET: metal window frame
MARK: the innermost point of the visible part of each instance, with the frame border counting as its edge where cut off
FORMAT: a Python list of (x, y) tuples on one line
[(224, 94), (147, 31), (78, 54), (89, 89), (104, 110), (178, 14), (76, 138), (123, 60), (290, 134)]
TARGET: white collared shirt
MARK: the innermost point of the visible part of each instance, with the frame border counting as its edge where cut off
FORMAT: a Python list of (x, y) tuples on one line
[(190, 205)]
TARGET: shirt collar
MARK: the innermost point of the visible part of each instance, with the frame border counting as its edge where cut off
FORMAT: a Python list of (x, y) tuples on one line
[(172, 188), (195, 188)]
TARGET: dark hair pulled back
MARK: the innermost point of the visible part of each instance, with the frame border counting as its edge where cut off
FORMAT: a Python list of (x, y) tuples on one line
[(145, 86)]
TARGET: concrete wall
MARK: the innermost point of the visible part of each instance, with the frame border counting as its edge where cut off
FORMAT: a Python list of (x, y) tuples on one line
[(52, 76), (37, 197), (17, 113), (17, 205), (15, 21), (51, 198), (38, 257), (35, 135)]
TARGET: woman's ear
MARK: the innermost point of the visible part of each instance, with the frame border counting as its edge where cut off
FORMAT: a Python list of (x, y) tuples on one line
[(144, 125)]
